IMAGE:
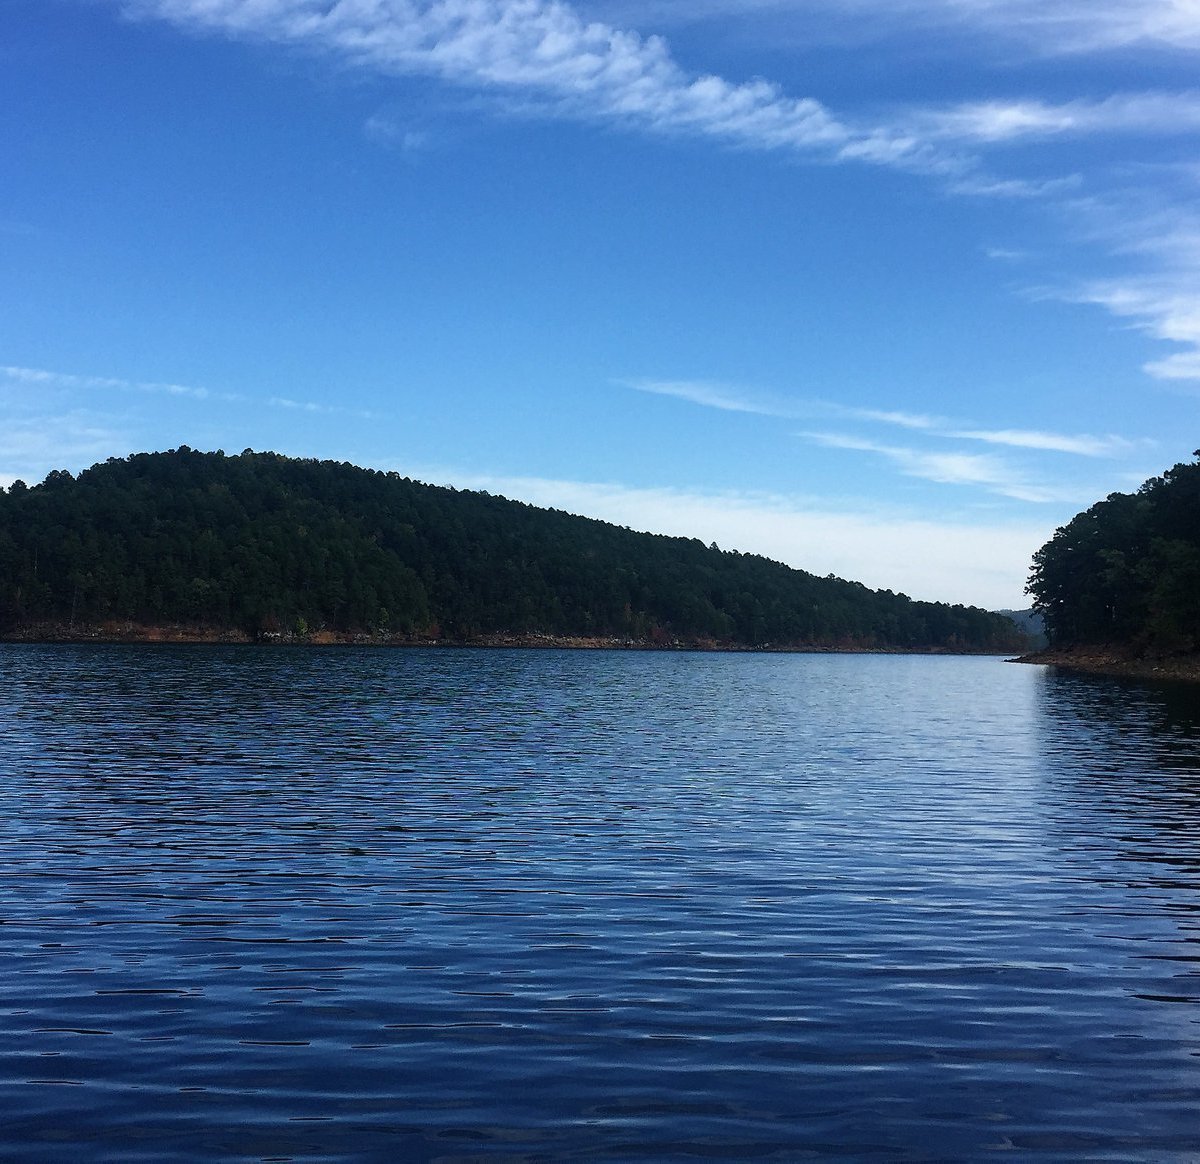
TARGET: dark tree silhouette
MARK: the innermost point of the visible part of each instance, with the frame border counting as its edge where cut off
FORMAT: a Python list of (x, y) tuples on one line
[(1127, 571), (265, 543)]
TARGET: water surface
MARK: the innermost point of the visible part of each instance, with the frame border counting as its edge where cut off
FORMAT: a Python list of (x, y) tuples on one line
[(468, 905)]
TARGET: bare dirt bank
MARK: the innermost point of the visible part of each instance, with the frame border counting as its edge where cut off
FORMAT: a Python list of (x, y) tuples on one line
[(126, 632), (1115, 661)]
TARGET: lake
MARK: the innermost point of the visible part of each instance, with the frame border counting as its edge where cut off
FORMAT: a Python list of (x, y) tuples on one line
[(320, 904)]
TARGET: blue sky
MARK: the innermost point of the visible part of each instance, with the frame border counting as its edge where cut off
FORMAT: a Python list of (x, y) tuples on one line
[(882, 288)]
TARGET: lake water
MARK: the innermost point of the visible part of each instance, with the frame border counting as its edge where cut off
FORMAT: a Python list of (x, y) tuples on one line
[(277, 904)]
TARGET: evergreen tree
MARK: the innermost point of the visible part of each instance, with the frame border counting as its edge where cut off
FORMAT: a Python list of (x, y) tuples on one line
[(269, 544), (1127, 571)]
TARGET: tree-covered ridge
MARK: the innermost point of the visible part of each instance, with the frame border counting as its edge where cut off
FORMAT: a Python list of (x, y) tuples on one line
[(262, 542), (1127, 571)]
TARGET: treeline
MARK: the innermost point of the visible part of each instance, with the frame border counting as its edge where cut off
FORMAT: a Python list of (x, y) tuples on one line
[(1127, 571), (269, 544)]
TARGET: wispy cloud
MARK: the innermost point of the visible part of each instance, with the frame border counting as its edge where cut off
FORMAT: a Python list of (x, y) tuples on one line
[(544, 53), (42, 378), (1180, 366), (990, 122), (737, 398), (546, 57), (545, 50), (1045, 27), (1084, 446), (730, 398), (913, 420), (980, 185), (709, 394), (1006, 254), (321, 409), (1077, 26), (32, 442), (1149, 228), (1165, 308), (395, 133), (953, 468)]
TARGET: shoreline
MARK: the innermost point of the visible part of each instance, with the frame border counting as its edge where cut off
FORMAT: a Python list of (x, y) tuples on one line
[(184, 635), (1117, 663)]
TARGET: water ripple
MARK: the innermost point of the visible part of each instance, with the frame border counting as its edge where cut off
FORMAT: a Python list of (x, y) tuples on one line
[(461, 905)]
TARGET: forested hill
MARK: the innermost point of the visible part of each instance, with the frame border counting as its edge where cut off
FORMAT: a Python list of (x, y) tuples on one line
[(271, 545), (1127, 571)]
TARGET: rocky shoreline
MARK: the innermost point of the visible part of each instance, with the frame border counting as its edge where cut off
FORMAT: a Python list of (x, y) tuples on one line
[(182, 634), (1120, 663)]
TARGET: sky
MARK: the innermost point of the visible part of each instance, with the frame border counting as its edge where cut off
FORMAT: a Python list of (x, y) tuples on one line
[(888, 289)]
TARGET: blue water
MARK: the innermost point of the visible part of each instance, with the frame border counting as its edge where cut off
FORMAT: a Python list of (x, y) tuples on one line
[(330, 904)]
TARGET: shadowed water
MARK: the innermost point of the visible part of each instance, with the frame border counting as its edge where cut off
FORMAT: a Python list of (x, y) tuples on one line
[(468, 905)]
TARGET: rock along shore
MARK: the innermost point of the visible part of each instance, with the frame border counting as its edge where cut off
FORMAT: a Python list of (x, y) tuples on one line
[(1118, 662)]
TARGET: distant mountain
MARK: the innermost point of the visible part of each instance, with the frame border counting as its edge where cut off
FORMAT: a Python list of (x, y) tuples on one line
[(1126, 573), (1030, 623), (278, 547)]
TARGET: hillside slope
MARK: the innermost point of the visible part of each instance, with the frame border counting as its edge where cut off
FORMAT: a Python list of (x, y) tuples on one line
[(271, 545)]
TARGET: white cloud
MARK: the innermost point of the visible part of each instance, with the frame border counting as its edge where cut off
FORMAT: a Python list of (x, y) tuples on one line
[(1165, 308), (41, 378), (1076, 26), (1046, 27), (395, 133), (546, 56), (1003, 121), (730, 398), (974, 563), (1180, 366), (900, 419), (1006, 254), (545, 53), (544, 50), (320, 409), (984, 470), (737, 398), (708, 394), (31, 444), (981, 185), (1082, 445), (1153, 231)]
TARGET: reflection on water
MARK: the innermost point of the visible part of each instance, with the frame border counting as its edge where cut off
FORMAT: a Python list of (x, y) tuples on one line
[(461, 905)]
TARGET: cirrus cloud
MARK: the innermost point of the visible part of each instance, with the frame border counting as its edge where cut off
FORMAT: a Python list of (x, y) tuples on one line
[(1042, 27), (730, 398)]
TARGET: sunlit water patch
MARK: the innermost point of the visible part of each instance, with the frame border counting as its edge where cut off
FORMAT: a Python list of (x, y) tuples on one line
[(463, 905)]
